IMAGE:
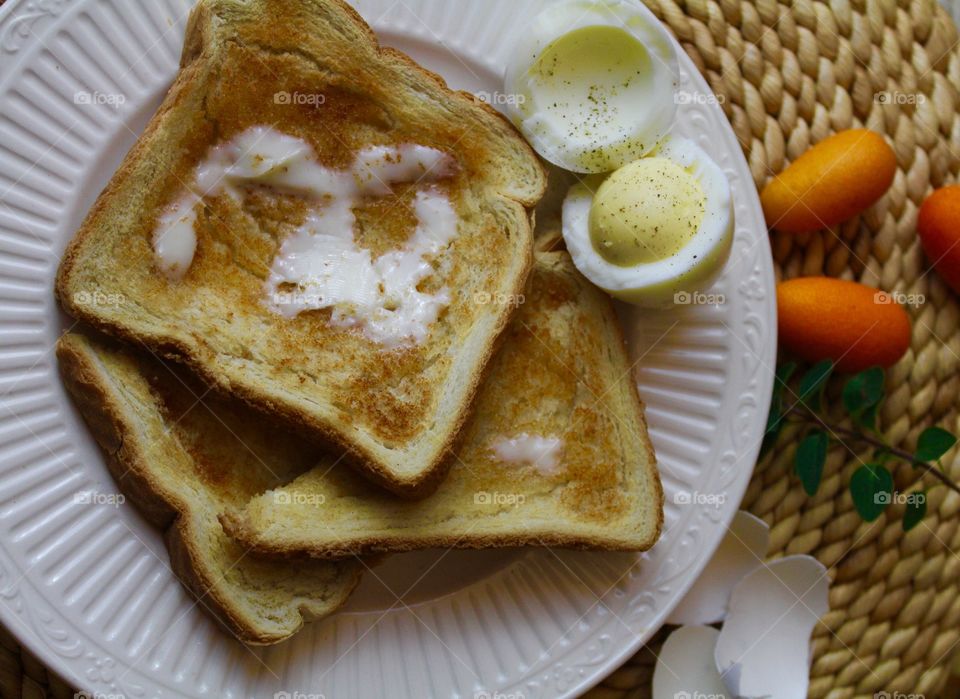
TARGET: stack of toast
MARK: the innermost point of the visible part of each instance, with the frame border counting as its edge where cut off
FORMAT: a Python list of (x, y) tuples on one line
[(278, 450)]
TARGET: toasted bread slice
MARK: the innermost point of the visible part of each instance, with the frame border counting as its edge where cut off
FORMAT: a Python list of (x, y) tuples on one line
[(182, 461), (396, 411), (579, 471)]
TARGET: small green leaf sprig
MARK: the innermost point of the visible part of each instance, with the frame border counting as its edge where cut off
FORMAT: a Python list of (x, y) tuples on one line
[(871, 485)]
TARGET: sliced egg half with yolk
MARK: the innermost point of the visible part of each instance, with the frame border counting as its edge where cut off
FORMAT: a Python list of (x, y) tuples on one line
[(658, 227), (593, 83)]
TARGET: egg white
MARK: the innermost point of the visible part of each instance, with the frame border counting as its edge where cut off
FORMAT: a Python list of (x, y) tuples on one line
[(693, 268), (617, 132)]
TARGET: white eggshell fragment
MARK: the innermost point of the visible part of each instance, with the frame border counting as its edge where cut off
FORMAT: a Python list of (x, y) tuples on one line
[(763, 649), (742, 549), (685, 667)]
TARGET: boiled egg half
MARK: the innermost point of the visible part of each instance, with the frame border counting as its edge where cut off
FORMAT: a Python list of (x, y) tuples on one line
[(593, 83), (658, 227)]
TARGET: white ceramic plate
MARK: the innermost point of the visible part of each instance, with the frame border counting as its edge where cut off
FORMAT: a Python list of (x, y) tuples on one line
[(86, 586)]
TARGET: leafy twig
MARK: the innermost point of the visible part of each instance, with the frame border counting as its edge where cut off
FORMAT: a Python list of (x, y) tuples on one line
[(871, 485), (809, 416)]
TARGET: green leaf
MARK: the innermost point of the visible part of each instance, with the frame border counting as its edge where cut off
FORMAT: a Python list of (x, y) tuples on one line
[(872, 490), (916, 510), (784, 372), (775, 416), (812, 384), (862, 393), (809, 460), (868, 418), (933, 443), (769, 439)]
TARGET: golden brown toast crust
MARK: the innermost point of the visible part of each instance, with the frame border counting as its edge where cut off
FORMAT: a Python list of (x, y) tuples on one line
[(331, 384), (133, 460), (563, 369)]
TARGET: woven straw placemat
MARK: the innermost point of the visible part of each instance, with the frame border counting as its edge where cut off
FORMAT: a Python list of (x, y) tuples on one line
[(789, 74)]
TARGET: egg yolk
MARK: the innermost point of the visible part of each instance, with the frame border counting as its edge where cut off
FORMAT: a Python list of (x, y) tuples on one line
[(646, 211), (590, 84)]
